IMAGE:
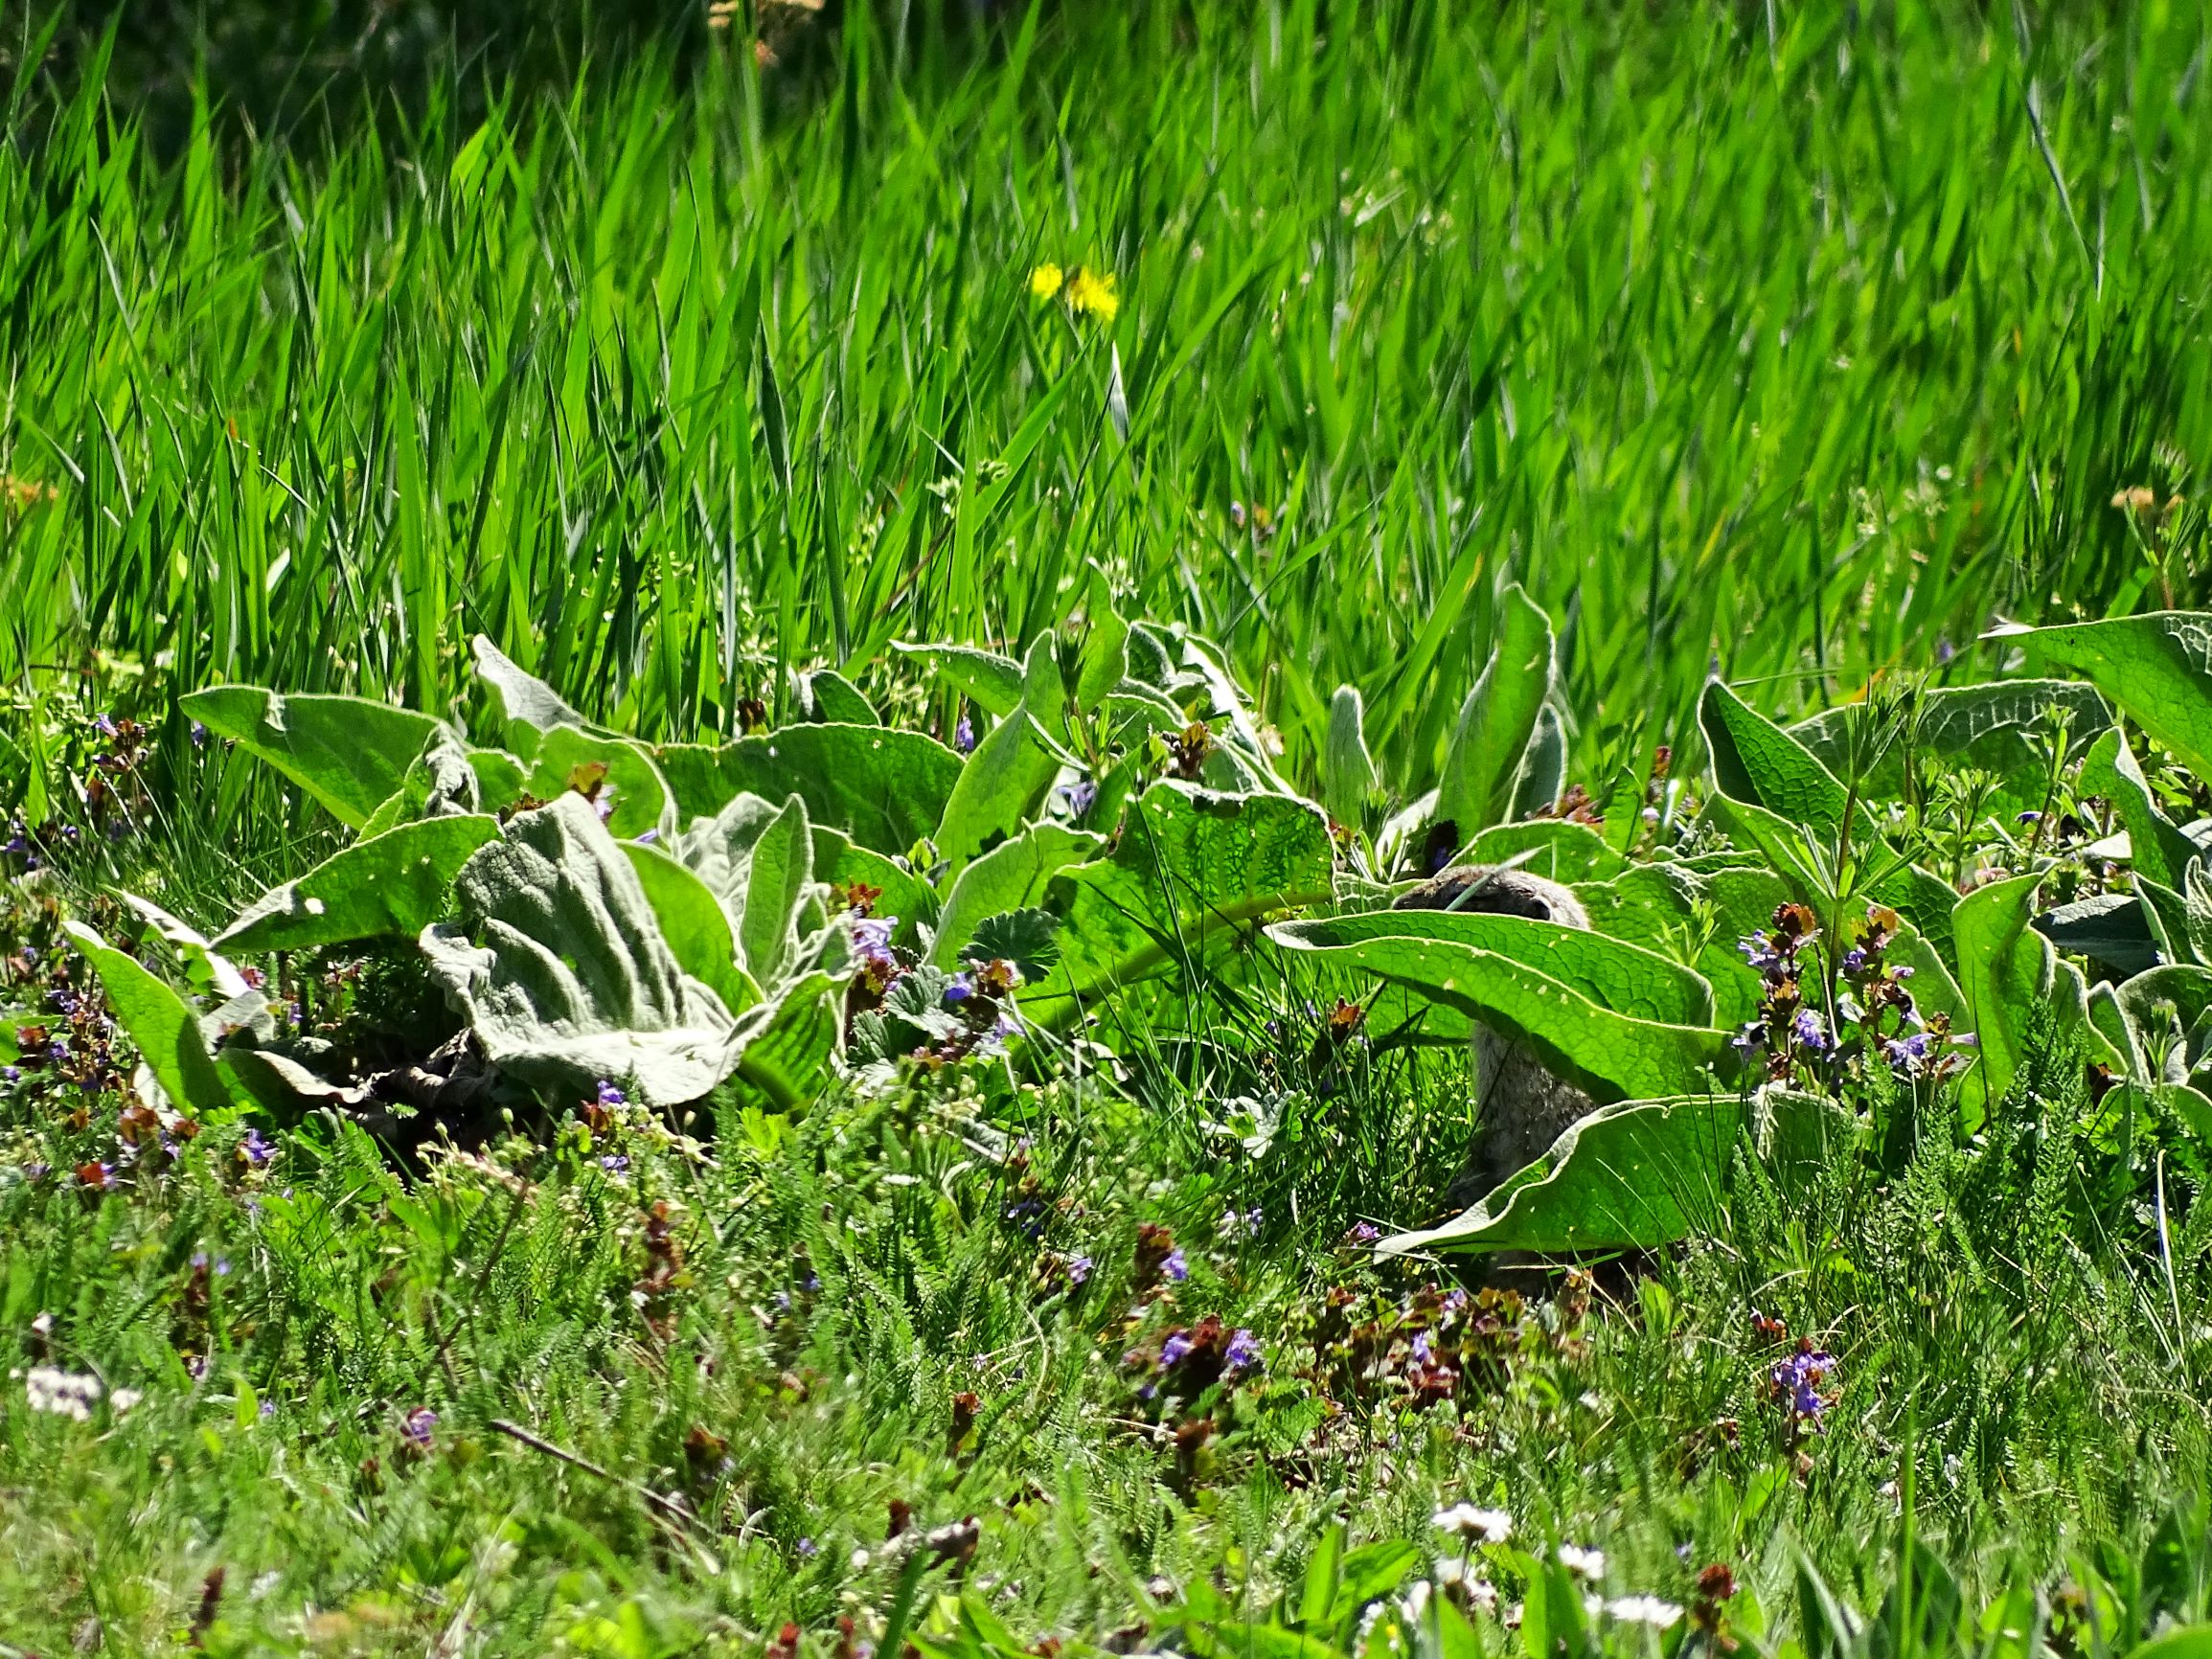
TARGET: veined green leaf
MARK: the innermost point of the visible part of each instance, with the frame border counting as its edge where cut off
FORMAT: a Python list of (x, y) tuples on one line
[(1636, 1175), (693, 922), (631, 786), (1192, 871), (991, 682), (1996, 728), (164, 1029), (2155, 847), (1012, 875), (348, 753), (1755, 761), (389, 886), (1612, 974), (1007, 775), (2157, 667), (885, 788), (780, 1055), (1499, 718), (2007, 971), (1612, 1056)]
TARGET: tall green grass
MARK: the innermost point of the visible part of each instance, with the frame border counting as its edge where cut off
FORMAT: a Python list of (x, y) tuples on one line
[(1802, 338)]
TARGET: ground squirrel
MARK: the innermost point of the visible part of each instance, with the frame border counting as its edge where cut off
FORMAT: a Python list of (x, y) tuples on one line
[(1522, 1107)]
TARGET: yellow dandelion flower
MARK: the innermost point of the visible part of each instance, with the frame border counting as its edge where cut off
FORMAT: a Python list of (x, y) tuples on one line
[(22, 494), (1092, 292), (1044, 281)]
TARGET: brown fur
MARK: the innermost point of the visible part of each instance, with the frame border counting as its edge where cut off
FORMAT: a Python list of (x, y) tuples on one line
[(1522, 1107)]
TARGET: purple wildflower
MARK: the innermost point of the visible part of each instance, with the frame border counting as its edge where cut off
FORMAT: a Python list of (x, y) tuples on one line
[(419, 1426), (871, 938), (1079, 1270), (1081, 796), (1242, 1352), (254, 1149), (614, 1163), (964, 736), (610, 1097), (1174, 1350), (962, 988), (1800, 1376), (1759, 951), (1175, 1267), (1810, 1030)]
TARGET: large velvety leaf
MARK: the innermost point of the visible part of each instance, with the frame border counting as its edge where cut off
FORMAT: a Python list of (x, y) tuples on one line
[(2007, 971), (885, 788), (825, 694), (2157, 667), (205, 969), (1192, 871), (441, 783), (1542, 778), (2155, 847), (2107, 927), (561, 967), (1007, 775), (839, 863), (529, 706), (692, 922), (1349, 784), (1757, 762), (720, 851), (1012, 875), (2000, 727), (1499, 717), (348, 753), (163, 1027), (1654, 905), (1612, 1056), (991, 682), (1635, 1175), (629, 785), (390, 886), (782, 1054), (1612, 974), (777, 878)]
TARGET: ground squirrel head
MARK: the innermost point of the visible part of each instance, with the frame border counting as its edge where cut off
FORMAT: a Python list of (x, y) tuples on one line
[(1489, 891)]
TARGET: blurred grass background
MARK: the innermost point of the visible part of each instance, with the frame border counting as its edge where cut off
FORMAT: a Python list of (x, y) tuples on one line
[(1797, 340)]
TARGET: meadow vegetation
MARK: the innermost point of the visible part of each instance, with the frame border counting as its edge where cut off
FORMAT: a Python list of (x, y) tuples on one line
[(704, 763)]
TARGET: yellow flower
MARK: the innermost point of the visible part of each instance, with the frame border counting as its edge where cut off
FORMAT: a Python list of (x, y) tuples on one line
[(22, 494), (1044, 281), (1092, 292)]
